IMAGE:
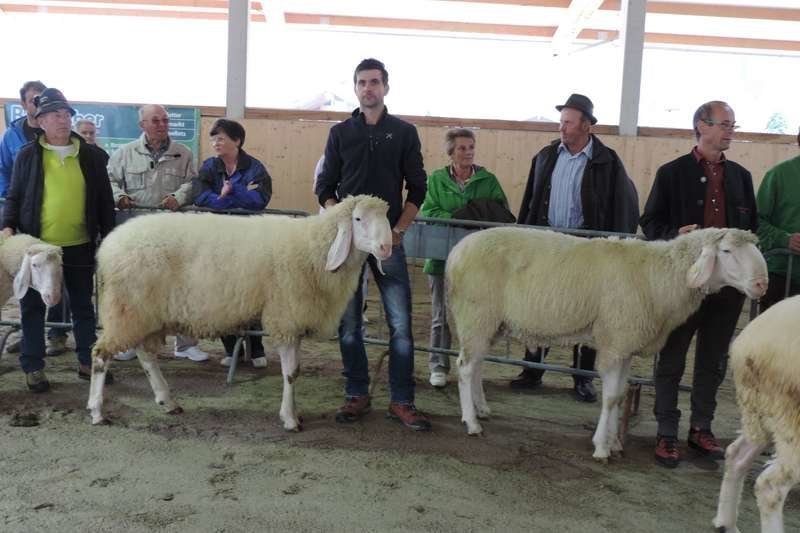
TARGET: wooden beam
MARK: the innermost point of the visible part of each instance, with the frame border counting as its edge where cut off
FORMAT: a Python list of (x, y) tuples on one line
[(724, 42), (425, 25)]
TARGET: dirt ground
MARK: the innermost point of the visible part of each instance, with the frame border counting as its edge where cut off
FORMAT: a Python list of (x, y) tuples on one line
[(226, 465)]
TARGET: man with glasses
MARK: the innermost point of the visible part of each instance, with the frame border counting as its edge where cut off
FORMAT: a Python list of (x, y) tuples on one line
[(779, 227), (151, 171), (701, 189)]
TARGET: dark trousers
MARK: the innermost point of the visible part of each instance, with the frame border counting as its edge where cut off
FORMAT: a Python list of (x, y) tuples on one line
[(714, 324), (256, 345), (59, 313), (776, 291), (583, 357), (79, 281)]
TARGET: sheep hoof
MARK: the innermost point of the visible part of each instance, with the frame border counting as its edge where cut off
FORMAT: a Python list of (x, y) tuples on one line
[(601, 456), (178, 410), (474, 429), (100, 421), (294, 429)]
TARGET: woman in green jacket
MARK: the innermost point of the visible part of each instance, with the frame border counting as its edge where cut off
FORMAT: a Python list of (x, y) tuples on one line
[(450, 189)]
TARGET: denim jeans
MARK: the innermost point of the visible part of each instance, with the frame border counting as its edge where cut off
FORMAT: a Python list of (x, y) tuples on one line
[(78, 279), (395, 289), (59, 313)]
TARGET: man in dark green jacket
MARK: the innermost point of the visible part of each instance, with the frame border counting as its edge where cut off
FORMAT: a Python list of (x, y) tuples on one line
[(778, 204)]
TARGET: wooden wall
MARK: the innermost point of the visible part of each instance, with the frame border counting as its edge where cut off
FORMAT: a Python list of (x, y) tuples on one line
[(290, 149)]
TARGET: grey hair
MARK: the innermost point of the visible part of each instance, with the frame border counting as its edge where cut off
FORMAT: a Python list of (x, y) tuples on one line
[(704, 113), (83, 121), (451, 136), (145, 107)]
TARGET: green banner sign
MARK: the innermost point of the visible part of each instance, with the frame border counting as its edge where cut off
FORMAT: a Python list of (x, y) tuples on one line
[(119, 124)]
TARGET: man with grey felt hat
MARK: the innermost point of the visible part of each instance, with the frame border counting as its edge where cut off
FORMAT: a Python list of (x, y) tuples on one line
[(576, 182)]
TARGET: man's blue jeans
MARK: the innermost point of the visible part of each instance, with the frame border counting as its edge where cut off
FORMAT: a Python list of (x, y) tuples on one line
[(395, 289), (79, 281)]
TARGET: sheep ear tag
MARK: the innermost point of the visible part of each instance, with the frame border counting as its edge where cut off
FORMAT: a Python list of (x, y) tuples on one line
[(340, 249), (22, 281), (700, 272)]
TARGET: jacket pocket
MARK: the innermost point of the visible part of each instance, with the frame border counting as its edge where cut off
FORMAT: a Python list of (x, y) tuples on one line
[(135, 178), (743, 217)]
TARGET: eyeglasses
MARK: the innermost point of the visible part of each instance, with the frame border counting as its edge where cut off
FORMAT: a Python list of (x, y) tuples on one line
[(725, 125)]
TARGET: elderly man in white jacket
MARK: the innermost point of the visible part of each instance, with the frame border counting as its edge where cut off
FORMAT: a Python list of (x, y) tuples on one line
[(153, 170)]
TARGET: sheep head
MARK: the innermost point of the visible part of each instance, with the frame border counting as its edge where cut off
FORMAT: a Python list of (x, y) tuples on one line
[(361, 223), (729, 257), (40, 270)]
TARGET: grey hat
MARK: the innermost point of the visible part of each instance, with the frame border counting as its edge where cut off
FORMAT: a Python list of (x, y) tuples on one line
[(582, 104), (51, 100)]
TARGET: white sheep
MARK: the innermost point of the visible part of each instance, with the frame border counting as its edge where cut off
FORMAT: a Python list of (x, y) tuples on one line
[(765, 358), (26, 261), (621, 297), (205, 275)]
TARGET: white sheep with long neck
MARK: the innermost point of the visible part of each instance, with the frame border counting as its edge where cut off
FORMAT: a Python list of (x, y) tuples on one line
[(622, 297), (765, 358), (205, 275)]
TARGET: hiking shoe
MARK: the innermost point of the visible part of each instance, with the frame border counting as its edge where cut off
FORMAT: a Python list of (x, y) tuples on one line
[(56, 346), (408, 415), (259, 362), (585, 391), (85, 373), (354, 409), (37, 381), (193, 353), (705, 444), (667, 451)]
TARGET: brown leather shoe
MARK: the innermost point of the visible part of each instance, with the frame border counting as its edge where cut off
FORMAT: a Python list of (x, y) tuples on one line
[(408, 415), (354, 409)]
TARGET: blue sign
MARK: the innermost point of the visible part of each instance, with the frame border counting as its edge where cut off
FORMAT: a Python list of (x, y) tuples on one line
[(119, 124)]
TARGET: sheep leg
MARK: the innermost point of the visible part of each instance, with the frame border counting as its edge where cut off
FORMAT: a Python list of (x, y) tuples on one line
[(610, 375), (772, 486), (738, 458), (149, 363), (100, 366), (481, 407), (466, 363), (614, 438), (290, 370)]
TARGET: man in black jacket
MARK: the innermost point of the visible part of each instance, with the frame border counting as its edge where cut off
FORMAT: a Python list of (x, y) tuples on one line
[(699, 189), (376, 153), (60, 192), (577, 182)]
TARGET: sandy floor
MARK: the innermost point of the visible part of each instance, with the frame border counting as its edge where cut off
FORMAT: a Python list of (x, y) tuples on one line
[(227, 465)]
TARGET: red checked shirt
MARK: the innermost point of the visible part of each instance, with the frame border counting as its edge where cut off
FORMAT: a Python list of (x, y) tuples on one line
[(714, 212)]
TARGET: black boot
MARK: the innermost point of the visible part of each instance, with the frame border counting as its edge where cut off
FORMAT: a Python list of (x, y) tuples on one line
[(530, 378)]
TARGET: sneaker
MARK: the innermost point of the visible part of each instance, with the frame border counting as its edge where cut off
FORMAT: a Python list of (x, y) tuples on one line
[(259, 362), (667, 451), (354, 409), (408, 415), (438, 378), (226, 361), (37, 381), (14, 346), (127, 355), (193, 353), (705, 444), (85, 373), (56, 346)]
